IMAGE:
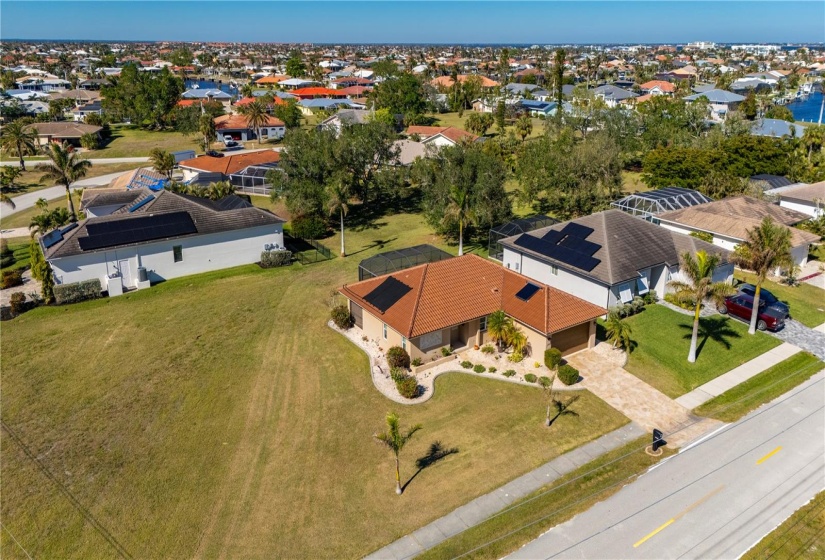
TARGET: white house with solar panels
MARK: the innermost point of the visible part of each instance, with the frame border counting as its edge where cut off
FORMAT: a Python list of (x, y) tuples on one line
[(139, 237)]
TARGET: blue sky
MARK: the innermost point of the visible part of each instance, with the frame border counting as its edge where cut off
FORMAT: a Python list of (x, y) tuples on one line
[(665, 21)]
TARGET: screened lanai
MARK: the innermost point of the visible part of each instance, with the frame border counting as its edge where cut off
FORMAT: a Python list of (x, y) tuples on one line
[(393, 261), (651, 203), (516, 227)]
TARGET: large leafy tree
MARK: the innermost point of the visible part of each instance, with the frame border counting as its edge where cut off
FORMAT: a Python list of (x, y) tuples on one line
[(363, 151), (765, 248), (402, 95), (145, 98), (295, 66), (289, 113), (18, 139), (697, 286), (395, 439), (64, 168)]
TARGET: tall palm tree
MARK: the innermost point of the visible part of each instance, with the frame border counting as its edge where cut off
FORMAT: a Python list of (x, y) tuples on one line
[(64, 168), (618, 332), (698, 286), (256, 117), (765, 248), (162, 161), (459, 207), (18, 140), (395, 442), (338, 203)]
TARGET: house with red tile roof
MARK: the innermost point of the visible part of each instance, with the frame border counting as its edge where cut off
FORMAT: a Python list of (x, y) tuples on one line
[(235, 127), (446, 304), (658, 87), (441, 135), (446, 81), (227, 165), (313, 92)]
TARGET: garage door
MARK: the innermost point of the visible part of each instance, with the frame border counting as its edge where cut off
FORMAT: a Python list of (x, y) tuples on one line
[(357, 315), (572, 339)]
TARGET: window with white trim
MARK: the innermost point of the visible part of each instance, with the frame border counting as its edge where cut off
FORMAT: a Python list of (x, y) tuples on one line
[(385, 331), (404, 342), (483, 324), (626, 292)]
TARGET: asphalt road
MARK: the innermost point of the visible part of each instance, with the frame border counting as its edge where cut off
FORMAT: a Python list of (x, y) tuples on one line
[(713, 500), (27, 200)]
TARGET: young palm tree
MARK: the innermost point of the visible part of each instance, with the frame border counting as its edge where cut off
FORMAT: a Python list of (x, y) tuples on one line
[(219, 190), (618, 332), (498, 325), (8, 178), (256, 117), (64, 168), (765, 248), (162, 161), (459, 208), (524, 126), (395, 442), (516, 338), (338, 203), (18, 140), (698, 286)]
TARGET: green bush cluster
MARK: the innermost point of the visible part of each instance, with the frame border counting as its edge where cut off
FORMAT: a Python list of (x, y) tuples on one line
[(703, 235), (407, 385), (271, 259), (492, 370), (545, 381), (397, 357), (568, 374), (509, 373), (467, 365), (445, 351), (309, 227), (18, 303), (671, 298), (530, 378), (628, 309), (516, 357), (488, 349), (12, 278), (479, 368), (416, 362), (77, 291), (341, 317), (552, 358)]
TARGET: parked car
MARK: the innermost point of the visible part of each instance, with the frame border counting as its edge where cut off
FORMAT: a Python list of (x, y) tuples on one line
[(766, 296), (741, 306), (213, 153)]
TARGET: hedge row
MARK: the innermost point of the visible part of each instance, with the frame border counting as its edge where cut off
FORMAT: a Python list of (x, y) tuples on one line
[(271, 259), (78, 291)]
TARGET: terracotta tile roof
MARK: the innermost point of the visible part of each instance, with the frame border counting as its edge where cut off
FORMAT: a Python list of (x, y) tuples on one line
[(453, 291), (238, 122), (454, 134), (247, 100), (231, 164), (447, 81), (187, 102), (316, 92), (273, 79), (661, 84), (354, 90)]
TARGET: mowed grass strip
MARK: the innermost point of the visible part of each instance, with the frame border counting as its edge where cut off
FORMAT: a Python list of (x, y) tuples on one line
[(807, 302), (732, 405), (218, 415), (662, 338), (131, 141), (800, 537), (535, 514)]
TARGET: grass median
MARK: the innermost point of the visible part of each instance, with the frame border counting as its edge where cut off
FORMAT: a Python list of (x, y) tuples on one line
[(800, 537)]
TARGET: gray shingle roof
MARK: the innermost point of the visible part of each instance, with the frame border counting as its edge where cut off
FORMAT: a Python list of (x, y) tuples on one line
[(717, 96), (628, 245), (228, 214)]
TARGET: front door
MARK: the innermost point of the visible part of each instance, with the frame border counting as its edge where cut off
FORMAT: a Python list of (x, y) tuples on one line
[(125, 274)]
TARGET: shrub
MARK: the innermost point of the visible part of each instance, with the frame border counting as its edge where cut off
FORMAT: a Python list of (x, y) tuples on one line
[(18, 303), (516, 357), (479, 368), (488, 349), (467, 365), (90, 141), (7, 260), (397, 374), (703, 235), (671, 298), (545, 381), (309, 227), (637, 305), (446, 351), (341, 317), (4, 248), (397, 357), (12, 278), (416, 362), (536, 365), (650, 297), (78, 291), (407, 386), (568, 374), (93, 119), (509, 373), (271, 259), (552, 358), (492, 369), (530, 378)]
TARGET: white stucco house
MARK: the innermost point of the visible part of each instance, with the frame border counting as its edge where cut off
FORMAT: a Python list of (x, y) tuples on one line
[(721, 102), (157, 236), (805, 198), (605, 258)]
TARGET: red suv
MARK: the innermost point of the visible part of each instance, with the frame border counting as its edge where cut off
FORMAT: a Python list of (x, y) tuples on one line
[(741, 306)]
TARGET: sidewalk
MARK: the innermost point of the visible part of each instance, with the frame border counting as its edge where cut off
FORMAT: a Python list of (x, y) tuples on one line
[(484, 507), (737, 375)]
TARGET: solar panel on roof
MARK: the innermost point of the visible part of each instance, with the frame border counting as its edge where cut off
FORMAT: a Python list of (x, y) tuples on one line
[(553, 236), (143, 202), (580, 245), (577, 230), (136, 230), (528, 291), (52, 238), (387, 294), (68, 228), (581, 261)]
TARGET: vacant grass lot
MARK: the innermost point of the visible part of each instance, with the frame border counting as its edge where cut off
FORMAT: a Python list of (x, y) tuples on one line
[(732, 405), (129, 141), (662, 338), (217, 416), (800, 537), (32, 178), (807, 302), (24, 217), (452, 119)]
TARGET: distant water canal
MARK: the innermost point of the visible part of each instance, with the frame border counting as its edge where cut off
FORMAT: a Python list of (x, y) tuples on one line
[(808, 109), (207, 84)]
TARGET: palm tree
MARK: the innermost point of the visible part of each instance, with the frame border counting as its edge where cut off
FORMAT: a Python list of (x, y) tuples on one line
[(459, 208), (162, 161), (765, 248), (497, 326), (338, 202), (219, 190), (524, 126), (618, 332), (8, 176), (516, 338), (256, 117), (698, 286), (206, 127), (64, 168), (18, 140), (395, 441)]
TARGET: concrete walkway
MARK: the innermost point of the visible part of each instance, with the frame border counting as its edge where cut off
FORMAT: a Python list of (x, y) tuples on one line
[(645, 405), (15, 232), (737, 375), (484, 507)]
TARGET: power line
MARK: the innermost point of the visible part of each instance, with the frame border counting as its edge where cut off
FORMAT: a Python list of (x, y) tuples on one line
[(798, 521), (17, 542)]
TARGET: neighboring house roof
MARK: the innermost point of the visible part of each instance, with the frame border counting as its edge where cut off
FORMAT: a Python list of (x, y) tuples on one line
[(297, 82), (77, 94), (450, 292), (138, 178), (814, 193), (206, 94), (662, 85), (271, 79), (230, 164), (768, 181), (456, 135), (626, 246), (96, 197), (207, 216), (247, 100), (717, 96), (776, 128), (447, 81), (733, 217), (353, 90), (324, 103), (613, 92), (93, 107), (348, 116), (316, 91), (64, 129), (409, 151), (238, 122)]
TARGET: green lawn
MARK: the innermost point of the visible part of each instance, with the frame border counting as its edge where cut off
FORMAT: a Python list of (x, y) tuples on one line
[(807, 302), (32, 179), (662, 338), (129, 141), (19, 248), (24, 217), (632, 182), (452, 119), (732, 405), (217, 415), (800, 537)]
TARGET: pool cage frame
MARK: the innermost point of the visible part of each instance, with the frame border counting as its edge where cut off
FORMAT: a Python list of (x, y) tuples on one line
[(394, 261), (647, 205), (515, 227)]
